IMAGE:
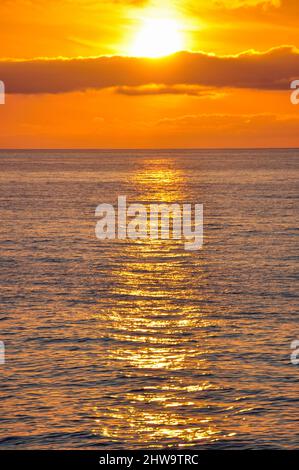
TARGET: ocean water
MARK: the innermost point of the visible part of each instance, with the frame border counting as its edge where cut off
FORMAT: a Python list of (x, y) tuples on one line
[(141, 344)]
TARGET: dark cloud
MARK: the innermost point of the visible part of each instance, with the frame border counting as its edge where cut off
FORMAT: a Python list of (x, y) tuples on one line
[(272, 70), (150, 90)]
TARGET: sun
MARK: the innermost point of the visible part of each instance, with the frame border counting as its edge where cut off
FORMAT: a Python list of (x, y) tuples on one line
[(157, 38)]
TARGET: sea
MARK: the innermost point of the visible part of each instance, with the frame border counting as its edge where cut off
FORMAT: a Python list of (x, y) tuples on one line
[(140, 344)]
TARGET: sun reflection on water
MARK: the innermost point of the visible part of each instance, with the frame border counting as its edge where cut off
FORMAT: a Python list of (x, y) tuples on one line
[(156, 335)]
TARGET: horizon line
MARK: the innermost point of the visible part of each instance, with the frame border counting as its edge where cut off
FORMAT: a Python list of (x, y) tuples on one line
[(113, 149)]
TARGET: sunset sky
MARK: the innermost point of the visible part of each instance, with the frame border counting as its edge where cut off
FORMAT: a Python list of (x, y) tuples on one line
[(98, 74)]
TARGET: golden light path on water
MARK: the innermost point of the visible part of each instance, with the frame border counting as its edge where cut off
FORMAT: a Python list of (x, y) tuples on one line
[(154, 333)]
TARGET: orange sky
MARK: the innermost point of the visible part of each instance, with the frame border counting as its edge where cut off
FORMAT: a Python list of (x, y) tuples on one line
[(71, 80)]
